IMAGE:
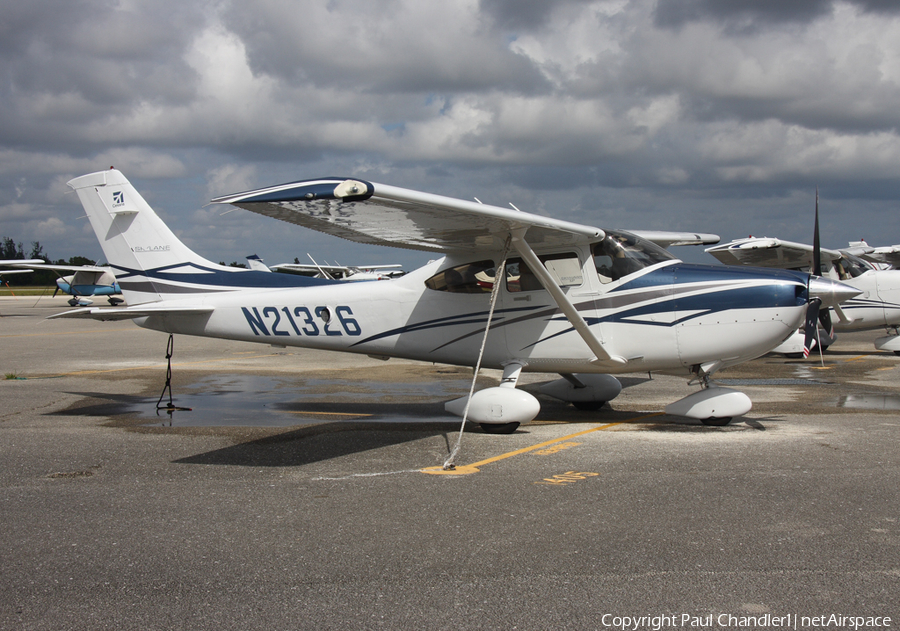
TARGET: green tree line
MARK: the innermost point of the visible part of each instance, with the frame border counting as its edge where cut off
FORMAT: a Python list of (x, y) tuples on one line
[(9, 249)]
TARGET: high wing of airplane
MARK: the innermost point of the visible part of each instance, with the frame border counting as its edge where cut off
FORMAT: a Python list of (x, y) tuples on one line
[(20, 266), (883, 256), (84, 281), (511, 291), (770, 252), (876, 307), (341, 272), (18, 263), (667, 239)]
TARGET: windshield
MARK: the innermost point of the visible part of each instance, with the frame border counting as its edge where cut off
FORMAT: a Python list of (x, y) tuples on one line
[(622, 253), (849, 266)]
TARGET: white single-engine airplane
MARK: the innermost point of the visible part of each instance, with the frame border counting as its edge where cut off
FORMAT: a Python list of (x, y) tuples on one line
[(574, 299)]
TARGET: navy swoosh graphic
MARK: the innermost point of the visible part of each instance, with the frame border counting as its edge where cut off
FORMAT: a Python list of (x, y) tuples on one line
[(213, 279)]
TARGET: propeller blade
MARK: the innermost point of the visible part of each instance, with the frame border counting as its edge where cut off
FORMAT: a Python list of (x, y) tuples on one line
[(825, 320), (811, 326), (817, 252)]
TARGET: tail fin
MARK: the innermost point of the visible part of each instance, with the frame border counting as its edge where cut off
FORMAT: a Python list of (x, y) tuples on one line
[(150, 262)]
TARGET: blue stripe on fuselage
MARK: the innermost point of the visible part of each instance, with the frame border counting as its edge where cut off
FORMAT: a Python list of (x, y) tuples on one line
[(239, 279), (681, 273), (790, 291)]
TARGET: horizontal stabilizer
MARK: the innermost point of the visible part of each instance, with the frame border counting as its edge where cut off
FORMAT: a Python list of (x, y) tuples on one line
[(129, 313)]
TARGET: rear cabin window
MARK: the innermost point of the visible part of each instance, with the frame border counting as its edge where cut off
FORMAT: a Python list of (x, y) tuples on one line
[(565, 268), (469, 278)]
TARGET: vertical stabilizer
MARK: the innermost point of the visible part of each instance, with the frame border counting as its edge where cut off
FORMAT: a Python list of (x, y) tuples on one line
[(150, 262)]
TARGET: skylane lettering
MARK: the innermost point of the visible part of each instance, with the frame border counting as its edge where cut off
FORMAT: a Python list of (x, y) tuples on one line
[(301, 321)]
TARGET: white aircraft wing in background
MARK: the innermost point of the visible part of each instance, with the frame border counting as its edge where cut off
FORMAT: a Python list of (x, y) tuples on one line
[(667, 239), (888, 255), (769, 252)]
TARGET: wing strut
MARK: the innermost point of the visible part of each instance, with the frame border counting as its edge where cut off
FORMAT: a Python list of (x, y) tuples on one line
[(562, 301)]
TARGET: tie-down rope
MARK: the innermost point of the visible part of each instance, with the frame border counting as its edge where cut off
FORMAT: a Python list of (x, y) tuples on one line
[(499, 276)]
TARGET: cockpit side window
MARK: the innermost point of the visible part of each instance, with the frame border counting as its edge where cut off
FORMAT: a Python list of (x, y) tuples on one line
[(468, 278), (622, 253), (564, 267)]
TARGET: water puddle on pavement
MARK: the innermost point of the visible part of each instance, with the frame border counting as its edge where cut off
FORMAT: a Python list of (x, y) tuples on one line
[(870, 401), (258, 401)]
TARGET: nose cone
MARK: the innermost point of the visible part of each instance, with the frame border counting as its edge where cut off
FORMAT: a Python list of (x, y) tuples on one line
[(830, 292)]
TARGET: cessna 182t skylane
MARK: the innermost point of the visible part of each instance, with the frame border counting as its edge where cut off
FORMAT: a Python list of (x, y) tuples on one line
[(574, 299)]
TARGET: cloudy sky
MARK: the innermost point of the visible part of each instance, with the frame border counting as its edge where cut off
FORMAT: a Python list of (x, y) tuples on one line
[(706, 115)]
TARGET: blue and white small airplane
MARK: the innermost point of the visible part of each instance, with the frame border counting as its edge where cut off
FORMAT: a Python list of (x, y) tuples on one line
[(576, 300), (86, 280)]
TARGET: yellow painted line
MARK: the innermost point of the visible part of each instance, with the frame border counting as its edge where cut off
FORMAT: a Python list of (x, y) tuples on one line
[(857, 358), (474, 467)]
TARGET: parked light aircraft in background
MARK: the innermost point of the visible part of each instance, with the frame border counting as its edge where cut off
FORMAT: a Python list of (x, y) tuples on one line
[(86, 280), (876, 307), (576, 300)]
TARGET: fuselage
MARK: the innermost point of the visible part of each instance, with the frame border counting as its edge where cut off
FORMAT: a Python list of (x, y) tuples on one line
[(89, 283), (665, 316), (878, 306)]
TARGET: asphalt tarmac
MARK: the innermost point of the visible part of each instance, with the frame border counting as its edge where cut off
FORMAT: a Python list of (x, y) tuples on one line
[(292, 494)]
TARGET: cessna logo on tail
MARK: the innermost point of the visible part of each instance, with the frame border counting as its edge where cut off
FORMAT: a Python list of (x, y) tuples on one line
[(118, 199)]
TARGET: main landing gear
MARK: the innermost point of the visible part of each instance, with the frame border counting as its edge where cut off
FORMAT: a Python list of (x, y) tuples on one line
[(712, 405), (890, 342)]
